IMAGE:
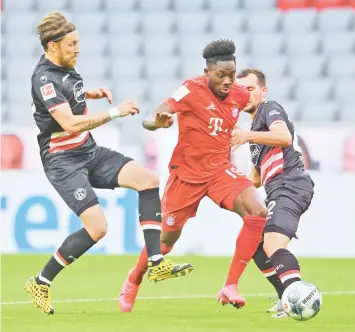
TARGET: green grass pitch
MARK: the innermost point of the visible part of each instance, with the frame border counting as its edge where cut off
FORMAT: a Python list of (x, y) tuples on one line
[(189, 303)]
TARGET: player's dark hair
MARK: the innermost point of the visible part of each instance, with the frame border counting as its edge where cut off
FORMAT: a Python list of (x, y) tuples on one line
[(219, 50), (258, 73), (53, 27)]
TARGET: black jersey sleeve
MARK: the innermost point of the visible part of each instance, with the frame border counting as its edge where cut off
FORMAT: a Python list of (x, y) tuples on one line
[(49, 91), (273, 112)]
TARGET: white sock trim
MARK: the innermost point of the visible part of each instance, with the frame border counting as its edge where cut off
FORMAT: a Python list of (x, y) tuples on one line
[(155, 258), (40, 277), (58, 259)]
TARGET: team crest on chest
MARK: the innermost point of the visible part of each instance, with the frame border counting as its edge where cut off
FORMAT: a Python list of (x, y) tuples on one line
[(235, 112)]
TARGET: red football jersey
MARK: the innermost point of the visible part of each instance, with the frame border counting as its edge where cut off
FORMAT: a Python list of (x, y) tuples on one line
[(205, 126)]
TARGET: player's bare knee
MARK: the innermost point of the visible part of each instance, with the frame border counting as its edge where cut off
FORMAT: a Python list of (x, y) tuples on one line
[(149, 181), (270, 248), (259, 211), (273, 242), (97, 231)]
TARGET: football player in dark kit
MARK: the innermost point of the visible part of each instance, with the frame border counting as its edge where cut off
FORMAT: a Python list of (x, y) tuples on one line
[(74, 164), (278, 166)]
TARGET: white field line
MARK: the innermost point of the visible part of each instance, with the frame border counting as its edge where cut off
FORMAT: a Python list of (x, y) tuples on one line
[(170, 297)]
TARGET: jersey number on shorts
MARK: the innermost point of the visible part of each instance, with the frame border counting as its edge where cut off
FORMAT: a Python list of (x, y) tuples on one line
[(270, 207), (234, 172)]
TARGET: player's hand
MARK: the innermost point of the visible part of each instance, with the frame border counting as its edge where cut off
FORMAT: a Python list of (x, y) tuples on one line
[(163, 120), (128, 108), (239, 137), (99, 93)]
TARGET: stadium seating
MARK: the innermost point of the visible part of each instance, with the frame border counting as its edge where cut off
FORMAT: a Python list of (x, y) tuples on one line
[(335, 43), (158, 23), (314, 90), (257, 22), (303, 44), (224, 6), (259, 4), (125, 45), (120, 6), (123, 22), (85, 6), (156, 5), (188, 5), (267, 43), (347, 112), (160, 46), (305, 47), (319, 111), (18, 6), (296, 21), (332, 20)]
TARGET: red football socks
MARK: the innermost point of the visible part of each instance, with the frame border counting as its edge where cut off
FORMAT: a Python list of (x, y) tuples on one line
[(246, 245)]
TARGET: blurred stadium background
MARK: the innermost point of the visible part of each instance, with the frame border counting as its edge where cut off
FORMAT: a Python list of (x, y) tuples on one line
[(143, 50)]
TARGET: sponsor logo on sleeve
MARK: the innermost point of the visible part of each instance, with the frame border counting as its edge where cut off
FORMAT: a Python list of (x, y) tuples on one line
[(79, 93), (48, 91), (274, 112), (43, 79)]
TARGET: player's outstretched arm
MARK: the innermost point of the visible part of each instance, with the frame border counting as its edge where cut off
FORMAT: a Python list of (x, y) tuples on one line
[(254, 176), (279, 135), (78, 123), (99, 93), (161, 117)]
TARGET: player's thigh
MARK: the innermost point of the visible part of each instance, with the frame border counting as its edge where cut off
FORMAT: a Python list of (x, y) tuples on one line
[(135, 176), (106, 167), (180, 202), (249, 203), (234, 192), (283, 215), (71, 181)]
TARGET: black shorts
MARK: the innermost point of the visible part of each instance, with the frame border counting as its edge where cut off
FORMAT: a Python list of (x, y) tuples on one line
[(287, 203), (75, 175)]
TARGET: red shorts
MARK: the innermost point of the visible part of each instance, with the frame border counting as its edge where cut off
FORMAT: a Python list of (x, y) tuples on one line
[(181, 199)]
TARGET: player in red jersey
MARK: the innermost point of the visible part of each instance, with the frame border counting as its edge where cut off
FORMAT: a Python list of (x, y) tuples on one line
[(207, 110)]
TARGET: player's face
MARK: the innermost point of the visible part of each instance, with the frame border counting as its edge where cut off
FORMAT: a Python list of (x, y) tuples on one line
[(68, 50), (257, 93), (221, 77)]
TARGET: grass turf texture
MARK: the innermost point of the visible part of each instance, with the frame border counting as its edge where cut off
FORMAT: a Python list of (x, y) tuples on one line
[(101, 277)]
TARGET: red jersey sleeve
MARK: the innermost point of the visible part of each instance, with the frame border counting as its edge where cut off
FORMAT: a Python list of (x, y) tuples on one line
[(179, 100), (243, 96)]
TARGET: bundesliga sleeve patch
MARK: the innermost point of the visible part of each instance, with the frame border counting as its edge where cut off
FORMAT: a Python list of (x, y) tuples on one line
[(48, 91), (180, 93)]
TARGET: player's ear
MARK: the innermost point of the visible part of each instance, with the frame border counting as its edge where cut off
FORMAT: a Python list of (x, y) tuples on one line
[(264, 92), (205, 71)]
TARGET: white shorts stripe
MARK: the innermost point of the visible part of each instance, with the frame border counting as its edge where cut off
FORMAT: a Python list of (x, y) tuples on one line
[(58, 259), (157, 227), (290, 276)]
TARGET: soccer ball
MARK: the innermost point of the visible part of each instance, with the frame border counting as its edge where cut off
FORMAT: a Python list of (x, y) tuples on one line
[(301, 300)]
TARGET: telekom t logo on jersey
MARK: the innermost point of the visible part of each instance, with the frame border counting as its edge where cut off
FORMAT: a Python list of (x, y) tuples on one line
[(216, 125)]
